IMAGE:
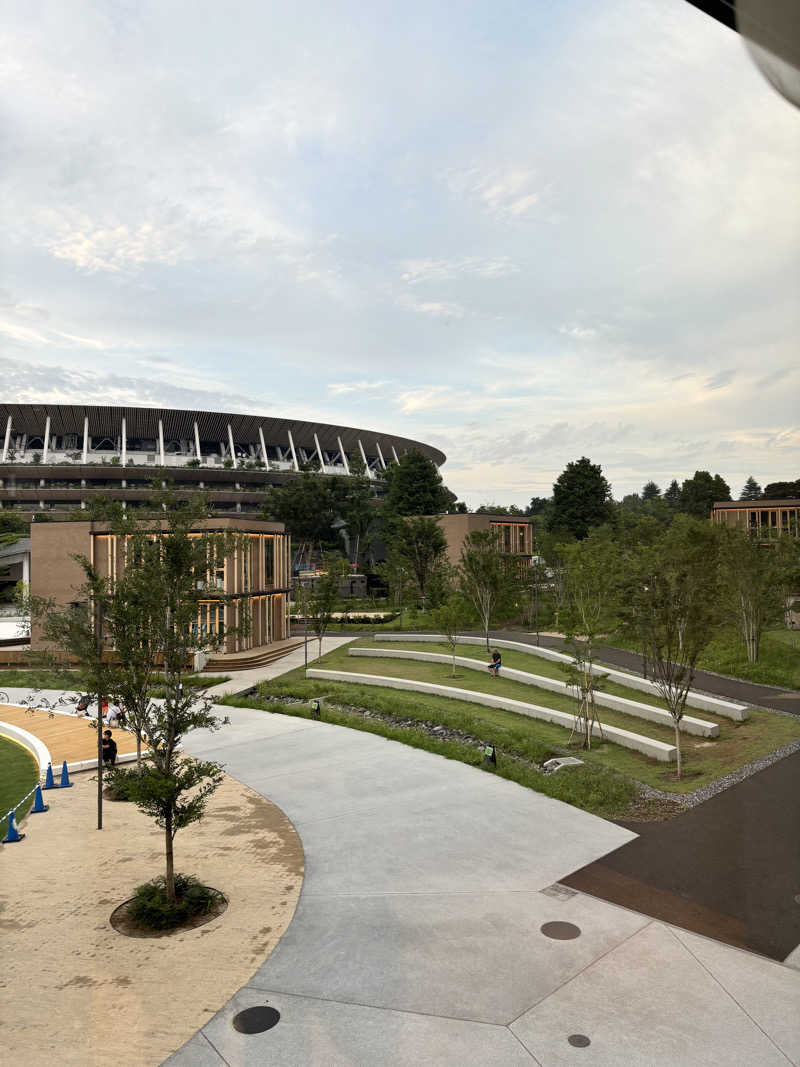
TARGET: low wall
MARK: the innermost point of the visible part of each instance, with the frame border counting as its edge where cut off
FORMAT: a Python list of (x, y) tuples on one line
[(37, 748), (656, 749), (689, 725), (726, 708)]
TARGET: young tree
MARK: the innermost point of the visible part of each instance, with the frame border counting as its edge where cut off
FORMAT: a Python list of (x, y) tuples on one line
[(308, 508), (750, 586), (324, 597), (415, 486), (592, 568), (355, 499), (150, 614), (419, 545), (451, 618), (672, 601), (485, 576), (581, 498)]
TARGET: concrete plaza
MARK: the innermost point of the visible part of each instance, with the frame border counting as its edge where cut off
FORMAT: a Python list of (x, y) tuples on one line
[(418, 935)]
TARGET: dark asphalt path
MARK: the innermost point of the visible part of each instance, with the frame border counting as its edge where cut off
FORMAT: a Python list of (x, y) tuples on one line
[(757, 696), (729, 868)]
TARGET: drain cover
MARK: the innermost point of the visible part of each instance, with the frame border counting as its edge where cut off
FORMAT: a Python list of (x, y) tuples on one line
[(579, 1040), (560, 931), (255, 1020)]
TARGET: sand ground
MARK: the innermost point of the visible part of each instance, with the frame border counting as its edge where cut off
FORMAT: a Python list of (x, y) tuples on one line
[(73, 988)]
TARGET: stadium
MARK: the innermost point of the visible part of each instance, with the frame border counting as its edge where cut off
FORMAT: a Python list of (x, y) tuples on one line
[(56, 457)]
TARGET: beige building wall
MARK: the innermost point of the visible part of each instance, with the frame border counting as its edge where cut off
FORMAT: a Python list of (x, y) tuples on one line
[(515, 535)]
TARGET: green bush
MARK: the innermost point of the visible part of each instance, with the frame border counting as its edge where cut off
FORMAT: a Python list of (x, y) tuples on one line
[(118, 781), (150, 907)]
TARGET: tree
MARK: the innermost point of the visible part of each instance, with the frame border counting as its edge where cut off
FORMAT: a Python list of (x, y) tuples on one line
[(356, 506), (451, 617), (150, 614), (419, 545), (485, 576), (307, 506), (698, 494), (538, 505), (651, 491), (672, 495), (415, 486), (12, 527), (324, 597), (581, 498), (672, 601), (591, 572), (782, 491), (751, 585), (751, 490)]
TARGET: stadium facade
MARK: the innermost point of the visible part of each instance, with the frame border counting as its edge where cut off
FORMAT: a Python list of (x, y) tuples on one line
[(57, 457)]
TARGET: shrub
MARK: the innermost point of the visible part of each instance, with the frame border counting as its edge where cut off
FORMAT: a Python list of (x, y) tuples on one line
[(149, 905), (118, 781)]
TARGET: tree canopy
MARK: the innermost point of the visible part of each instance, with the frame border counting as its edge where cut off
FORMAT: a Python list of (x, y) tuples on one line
[(751, 490), (415, 486), (581, 498), (698, 494)]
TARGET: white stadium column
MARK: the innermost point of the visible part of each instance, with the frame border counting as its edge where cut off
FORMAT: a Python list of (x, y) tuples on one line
[(124, 445), (161, 442), (294, 453), (85, 438), (233, 449), (319, 453), (263, 447), (46, 440), (363, 455), (394, 453), (7, 439), (197, 443), (380, 455), (343, 454)]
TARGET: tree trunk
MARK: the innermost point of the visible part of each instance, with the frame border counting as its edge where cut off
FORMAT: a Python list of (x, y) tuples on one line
[(138, 752), (678, 767), (170, 873)]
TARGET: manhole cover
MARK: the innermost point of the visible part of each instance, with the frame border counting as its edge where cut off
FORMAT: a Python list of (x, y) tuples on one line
[(255, 1020), (560, 931), (579, 1040)]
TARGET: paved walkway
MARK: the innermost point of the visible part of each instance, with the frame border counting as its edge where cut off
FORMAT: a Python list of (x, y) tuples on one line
[(241, 680), (418, 937)]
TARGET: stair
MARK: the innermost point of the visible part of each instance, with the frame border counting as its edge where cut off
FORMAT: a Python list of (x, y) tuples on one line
[(247, 661)]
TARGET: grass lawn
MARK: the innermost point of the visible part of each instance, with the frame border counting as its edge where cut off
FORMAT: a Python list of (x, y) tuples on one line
[(19, 772), (46, 678), (778, 658), (704, 760)]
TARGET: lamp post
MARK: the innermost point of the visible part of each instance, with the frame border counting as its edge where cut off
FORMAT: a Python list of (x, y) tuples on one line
[(100, 694)]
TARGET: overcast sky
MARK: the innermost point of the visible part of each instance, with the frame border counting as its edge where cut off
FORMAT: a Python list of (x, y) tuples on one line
[(520, 231)]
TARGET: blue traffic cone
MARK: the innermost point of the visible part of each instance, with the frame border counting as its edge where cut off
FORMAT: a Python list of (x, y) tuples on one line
[(48, 778), (65, 783), (38, 804), (13, 833)]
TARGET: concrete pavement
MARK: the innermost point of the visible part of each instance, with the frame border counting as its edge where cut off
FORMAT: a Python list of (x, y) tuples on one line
[(418, 936)]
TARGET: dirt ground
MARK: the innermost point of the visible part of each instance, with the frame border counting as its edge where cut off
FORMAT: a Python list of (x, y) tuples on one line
[(75, 990)]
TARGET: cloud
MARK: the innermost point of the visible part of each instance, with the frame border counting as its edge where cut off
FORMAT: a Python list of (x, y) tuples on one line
[(720, 379), (437, 270)]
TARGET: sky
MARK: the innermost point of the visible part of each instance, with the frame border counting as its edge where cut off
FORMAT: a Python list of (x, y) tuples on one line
[(522, 232)]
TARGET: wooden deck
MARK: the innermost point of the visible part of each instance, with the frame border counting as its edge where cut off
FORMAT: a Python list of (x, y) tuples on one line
[(66, 736)]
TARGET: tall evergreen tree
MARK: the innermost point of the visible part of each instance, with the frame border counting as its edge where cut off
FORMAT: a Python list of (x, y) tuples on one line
[(698, 494), (581, 498), (672, 495), (751, 490), (651, 491), (415, 486)]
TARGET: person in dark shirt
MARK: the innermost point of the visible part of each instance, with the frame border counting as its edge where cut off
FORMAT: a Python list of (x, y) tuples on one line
[(494, 666), (109, 749)]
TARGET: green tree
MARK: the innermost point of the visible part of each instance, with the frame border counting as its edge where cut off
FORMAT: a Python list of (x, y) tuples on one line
[(485, 576), (672, 495), (451, 618), (782, 491), (698, 494), (150, 615), (750, 585), (581, 498), (671, 600), (321, 604), (751, 490), (308, 508), (419, 545), (12, 528), (592, 568), (356, 502), (415, 486), (651, 491)]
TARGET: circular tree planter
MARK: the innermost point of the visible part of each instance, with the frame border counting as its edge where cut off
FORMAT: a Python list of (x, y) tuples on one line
[(124, 923)]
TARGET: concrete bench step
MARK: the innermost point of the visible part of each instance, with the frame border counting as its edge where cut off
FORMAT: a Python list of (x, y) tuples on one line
[(628, 739), (726, 708), (689, 725)]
